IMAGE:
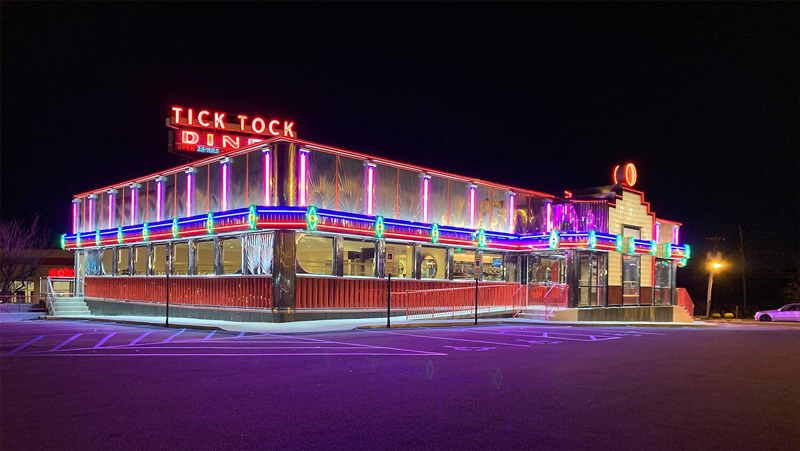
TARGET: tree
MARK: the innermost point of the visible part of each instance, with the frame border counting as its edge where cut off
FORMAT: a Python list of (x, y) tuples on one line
[(791, 293), (17, 262)]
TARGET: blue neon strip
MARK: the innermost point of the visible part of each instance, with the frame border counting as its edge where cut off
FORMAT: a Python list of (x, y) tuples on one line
[(285, 210), (222, 215), (347, 216)]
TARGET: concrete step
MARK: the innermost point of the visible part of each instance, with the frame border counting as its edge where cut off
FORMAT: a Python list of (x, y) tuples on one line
[(59, 308), (538, 315), (71, 313)]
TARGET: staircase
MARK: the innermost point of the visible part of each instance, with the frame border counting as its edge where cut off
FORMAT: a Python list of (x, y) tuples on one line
[(70, 306), (535, 313)]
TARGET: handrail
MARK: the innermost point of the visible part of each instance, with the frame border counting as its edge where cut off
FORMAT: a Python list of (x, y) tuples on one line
[(51, 293)]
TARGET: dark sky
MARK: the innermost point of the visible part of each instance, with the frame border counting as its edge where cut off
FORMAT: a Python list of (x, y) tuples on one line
[(702, 97)]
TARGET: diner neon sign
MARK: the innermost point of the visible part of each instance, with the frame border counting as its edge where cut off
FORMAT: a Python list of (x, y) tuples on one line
[(244, 124)]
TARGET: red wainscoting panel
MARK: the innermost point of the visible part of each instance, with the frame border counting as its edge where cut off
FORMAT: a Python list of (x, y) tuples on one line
[(228, 291)]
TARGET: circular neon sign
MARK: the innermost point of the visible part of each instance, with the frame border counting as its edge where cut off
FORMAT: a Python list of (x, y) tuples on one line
[(625, 174)]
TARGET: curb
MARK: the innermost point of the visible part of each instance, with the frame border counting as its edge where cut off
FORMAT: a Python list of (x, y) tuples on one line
[(541, 323), (136, 323)]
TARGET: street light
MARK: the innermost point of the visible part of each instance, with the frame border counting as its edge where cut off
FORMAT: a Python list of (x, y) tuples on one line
[(715, 266)]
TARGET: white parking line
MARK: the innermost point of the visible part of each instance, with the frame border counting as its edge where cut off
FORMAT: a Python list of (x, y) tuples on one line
[(105, 339), (174, 335), (210, 335), (140, 338), (65, 342), (25, 345), (449, 338), (367, 346)]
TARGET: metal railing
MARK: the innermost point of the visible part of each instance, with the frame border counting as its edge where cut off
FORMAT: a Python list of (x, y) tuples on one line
[(55, 287), (452, 301), (19, 303)]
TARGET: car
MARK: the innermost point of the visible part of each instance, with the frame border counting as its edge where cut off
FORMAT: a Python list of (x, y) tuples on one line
[(789, 312)]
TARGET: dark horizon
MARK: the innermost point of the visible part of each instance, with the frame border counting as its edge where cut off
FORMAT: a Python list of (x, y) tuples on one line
[(703, 98)]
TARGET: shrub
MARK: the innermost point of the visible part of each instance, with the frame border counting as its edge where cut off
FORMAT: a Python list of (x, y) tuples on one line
[(728, 315), (716, 315)]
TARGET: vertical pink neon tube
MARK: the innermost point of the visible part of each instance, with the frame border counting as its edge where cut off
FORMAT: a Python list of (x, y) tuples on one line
[(302, 187), (471, 207), (511, 213), (189, 193), (370, 178), (110, 209), (159, 189), (91, 213), (133, 204), (224, 186), (655, 232), (549, 217), (425, 182), (675, 235), (75, 216), (267, 178)]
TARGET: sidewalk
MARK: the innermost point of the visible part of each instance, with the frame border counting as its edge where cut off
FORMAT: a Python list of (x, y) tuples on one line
[(335, 325)]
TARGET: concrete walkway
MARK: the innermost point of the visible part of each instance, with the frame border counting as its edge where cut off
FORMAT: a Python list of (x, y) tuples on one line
[(333, 325)]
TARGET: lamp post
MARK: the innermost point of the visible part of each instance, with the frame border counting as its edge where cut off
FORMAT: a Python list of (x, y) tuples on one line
[(715, 266)]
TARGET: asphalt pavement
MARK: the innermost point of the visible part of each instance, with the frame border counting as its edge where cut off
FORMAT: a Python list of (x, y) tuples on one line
[(75, 385)]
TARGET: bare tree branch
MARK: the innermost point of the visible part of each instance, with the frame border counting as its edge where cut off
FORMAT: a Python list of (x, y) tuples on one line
[(18, 262)]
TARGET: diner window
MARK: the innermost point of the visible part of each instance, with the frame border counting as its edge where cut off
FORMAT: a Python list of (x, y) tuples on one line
[(358, 258), (433, 263), (512, 265), (492, 267), (123, 261), (399, 260), (463, 264), (108, 262), (140, 259), (204, 261), (314, 254), (180, 259), (231, 256), (158, 266)]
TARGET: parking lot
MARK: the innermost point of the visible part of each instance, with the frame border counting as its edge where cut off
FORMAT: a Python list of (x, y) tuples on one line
[(86, 385)]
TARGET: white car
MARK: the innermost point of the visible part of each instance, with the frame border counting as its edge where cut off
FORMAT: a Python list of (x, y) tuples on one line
[(790, 312)]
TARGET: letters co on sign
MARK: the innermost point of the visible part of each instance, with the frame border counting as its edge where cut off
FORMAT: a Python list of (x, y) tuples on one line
[(198, 132)]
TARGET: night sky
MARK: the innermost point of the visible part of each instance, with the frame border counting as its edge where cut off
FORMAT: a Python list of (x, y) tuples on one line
[(703, 98)]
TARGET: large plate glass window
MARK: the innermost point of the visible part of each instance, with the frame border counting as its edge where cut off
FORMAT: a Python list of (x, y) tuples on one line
[(492, 267), (547, 269), (358, 258), (591, 278), (314, 254), (108, 262), (159, 263), (94, 262), (123, 261), (140, 260), (258, 253), (231, 249), (463, 264), (399, 260), (180, 259), (433, 263), (204, 262)]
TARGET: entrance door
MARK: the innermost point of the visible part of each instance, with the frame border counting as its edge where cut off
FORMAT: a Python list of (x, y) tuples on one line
[(665, 280), (630, 279), (592, 268), (80, 262)]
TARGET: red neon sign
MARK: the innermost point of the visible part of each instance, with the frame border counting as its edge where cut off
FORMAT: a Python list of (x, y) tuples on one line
[(626, 174), (216, 120)]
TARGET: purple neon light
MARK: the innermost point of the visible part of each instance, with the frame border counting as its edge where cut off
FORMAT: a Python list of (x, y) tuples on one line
[(266, 178), (511, 212), (472, 206), (133, 205), (91, 212), (75, 216), (675, 235), (656, 231), (370, 180), (159, 189), (425, 181), (189, 193), (549, 217), (224, 186), (110, 209), (302, 187)]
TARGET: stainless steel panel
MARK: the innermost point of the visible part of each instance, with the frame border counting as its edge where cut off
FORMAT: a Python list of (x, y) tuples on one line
[(321, 184), (200, 192), (483, 207), (499, 211), (380, 258), (283, 272), (214, 187), (285, 156), (141, 204), (410, 196), (386, 191), (437, 200), (237, 182), (459, 204), (152, 196), (168, 209), (255, 178), (180, 194), (352, 185)]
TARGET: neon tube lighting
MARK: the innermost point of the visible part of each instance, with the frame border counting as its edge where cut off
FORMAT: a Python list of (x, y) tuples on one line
[(133, 204), (75, 216), (159, 189), (370, 177), (224, 186), (189, 193), (425, 181), (472, 206), (110, 208), (675, 235), (266, 178), (91, 212), (511, 212), (549, 216), (302, 187)]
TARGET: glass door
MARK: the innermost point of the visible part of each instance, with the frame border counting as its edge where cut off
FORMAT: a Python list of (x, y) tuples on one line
[(664, 282), (592, 270), (630, 279)]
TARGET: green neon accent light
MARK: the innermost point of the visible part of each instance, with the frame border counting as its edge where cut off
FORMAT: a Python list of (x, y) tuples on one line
[(379, 227), (631, 246), (619, 243), (554, 240), (97, 238), (174, 227), (458, 250), (481, 238), (688, 252), (592, 240), (78, 239), (119, 235), (684, 261), (653, 248), (145, 232), (312, 219), (435, 233), (210, 223), (669, 249), (252, 219), (63, 241)]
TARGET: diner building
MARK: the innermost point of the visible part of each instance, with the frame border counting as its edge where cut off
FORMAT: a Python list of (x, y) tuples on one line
[(282, 229)]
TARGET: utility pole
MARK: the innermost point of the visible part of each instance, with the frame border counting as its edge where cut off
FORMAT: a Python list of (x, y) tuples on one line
[(744, 271)]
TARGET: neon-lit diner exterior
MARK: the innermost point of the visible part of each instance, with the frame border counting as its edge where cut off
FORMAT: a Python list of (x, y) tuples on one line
[(269, 227)]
